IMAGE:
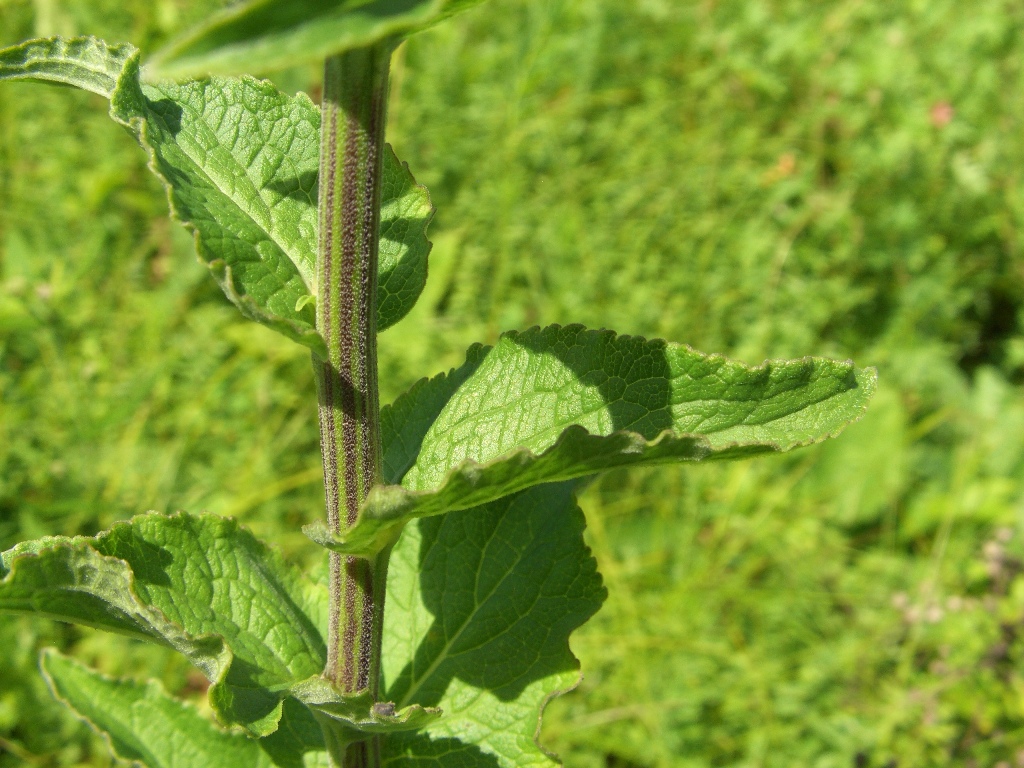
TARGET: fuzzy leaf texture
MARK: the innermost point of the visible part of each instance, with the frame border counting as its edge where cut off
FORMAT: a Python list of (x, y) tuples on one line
[(481, 604), (240, 162), (142, 724), (264, 35), (198, 584), (563, 402)]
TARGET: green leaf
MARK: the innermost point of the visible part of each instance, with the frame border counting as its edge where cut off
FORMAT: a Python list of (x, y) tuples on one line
[(69, 580), (263, 35), (405, 213), (83, 62), (564, 402), (199, 584), (481, 604), (141, 723), (240, 162), (298, 742), (406, 421)]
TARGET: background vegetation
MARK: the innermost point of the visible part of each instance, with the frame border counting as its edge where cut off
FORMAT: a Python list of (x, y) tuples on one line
[(757, 177)]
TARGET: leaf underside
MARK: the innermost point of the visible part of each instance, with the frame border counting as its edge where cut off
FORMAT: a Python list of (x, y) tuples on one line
[(268, 35), (563, 402), (240, 163)]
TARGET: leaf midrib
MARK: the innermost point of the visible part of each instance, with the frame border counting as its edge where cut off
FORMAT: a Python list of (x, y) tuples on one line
[(442, 655)]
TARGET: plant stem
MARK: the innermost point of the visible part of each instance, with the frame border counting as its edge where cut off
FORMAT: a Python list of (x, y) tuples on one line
[(351, 145)]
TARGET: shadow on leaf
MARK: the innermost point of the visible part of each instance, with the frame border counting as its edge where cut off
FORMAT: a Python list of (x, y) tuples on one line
[(631, 374), (301, 188), (506, 583), (420, 751), (297, 734), (169, 113)]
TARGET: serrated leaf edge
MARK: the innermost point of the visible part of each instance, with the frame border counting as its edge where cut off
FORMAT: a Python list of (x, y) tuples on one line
[(216, 675), (579, 521), (302, 333), (395, 505), (129, 81), (152, 614), (128, 87), (568, 641)]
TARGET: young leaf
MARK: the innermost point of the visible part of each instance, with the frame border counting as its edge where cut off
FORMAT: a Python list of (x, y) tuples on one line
[(481, 604), (197, 583), (240, 162), (263, 35), (564, 402), (358, 715), (141, 723)]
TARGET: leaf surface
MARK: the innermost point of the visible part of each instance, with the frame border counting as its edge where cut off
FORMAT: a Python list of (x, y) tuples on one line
[(240, 162), (141, 723), (563, 402), (403, 248), (481, 604), (197, 583), (82, 62), (264, 35)]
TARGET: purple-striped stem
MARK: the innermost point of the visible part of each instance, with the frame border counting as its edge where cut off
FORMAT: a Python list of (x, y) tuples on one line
[(351, 147)]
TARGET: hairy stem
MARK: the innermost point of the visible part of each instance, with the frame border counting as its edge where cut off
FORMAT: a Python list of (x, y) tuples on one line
[(352, 140)]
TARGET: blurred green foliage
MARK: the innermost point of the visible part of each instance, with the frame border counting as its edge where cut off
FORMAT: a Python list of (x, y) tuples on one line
[(756, 177)]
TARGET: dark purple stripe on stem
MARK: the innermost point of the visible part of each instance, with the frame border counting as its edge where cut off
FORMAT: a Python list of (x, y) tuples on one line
[(355, 92)]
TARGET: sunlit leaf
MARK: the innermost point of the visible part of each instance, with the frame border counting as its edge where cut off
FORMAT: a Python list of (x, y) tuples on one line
[(481, 605), (240, 163), (141, 723), (564, 402), (199, 584)]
